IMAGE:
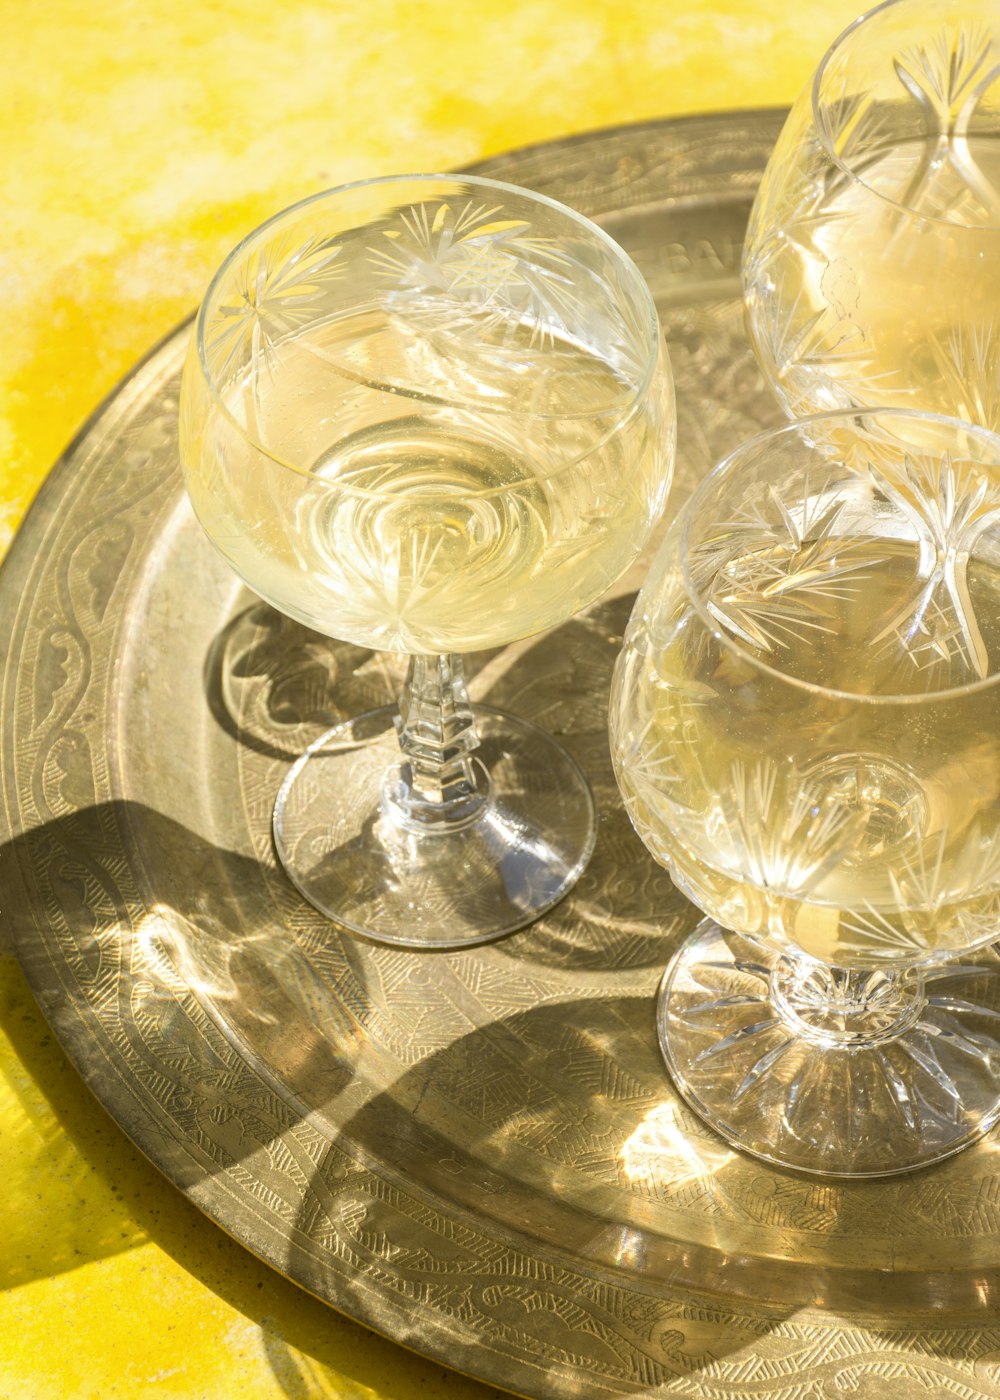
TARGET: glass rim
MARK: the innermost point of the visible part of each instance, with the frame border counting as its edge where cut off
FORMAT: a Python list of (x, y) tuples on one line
[(728, 466), (843, 165), (654, 344)]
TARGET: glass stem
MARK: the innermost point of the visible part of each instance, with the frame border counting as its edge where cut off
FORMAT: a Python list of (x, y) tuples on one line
[(842, 1007), (438, 784)]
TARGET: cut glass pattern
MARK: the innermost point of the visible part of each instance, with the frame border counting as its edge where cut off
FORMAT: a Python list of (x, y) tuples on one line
[(948, 77), (870, 263), (273, 293), (505, 284), (772, 574)]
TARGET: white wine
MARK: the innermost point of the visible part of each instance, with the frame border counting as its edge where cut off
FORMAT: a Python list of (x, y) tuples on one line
[(499, 498), (853, 299), (811, 784), (806, 716)]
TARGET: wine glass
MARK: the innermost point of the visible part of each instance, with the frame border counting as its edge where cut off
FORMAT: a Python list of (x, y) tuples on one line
[(429, 415), (805, 725), (872, 258)]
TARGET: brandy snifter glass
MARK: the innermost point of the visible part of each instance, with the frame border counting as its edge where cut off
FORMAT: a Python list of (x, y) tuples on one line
[(429, 415), (805, 726), (872, 258)]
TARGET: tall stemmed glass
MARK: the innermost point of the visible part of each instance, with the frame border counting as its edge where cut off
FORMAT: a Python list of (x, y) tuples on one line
[(872, 258), (428, 415), (805, 726)]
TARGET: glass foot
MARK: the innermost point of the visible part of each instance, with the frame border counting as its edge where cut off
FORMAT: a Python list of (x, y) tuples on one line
[(783, 1065), (341, 841)]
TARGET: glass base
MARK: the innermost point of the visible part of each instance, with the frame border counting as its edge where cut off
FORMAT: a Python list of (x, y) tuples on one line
[(783, 1067), (343, 845)]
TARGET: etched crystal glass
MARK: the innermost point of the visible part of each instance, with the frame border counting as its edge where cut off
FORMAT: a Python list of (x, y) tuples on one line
[(805, 726), (429, 415), (872, 259)]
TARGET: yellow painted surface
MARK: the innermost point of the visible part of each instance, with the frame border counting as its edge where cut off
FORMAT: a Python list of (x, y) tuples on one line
[(138, 141)]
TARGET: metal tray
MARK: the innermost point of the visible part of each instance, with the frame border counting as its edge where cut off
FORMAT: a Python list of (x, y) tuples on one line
[(475, 1153)]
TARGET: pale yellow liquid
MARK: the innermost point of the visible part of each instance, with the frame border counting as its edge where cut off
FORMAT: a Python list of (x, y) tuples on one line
[(855, 301), (424, 527), (856, 831)]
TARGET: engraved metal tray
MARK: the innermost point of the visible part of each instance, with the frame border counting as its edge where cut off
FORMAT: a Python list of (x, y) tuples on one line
[(476, 1153)]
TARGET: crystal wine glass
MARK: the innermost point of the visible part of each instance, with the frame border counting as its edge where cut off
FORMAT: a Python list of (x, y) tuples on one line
[(872, 259), (805, 726), (427, 415)]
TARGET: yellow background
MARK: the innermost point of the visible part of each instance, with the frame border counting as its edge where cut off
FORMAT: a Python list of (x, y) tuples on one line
[(138, 142)]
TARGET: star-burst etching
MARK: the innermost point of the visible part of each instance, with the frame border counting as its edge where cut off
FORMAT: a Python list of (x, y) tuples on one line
[(274, 292), (778, 571)]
